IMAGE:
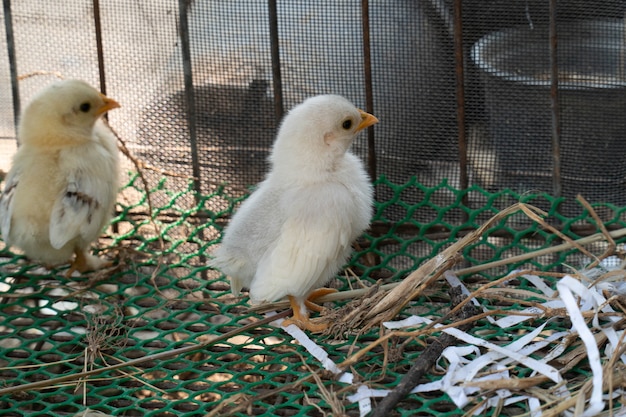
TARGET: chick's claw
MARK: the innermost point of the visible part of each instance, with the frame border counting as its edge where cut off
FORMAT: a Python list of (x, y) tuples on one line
[(315, 294), (84, 262), (306, 324), (301, 315)]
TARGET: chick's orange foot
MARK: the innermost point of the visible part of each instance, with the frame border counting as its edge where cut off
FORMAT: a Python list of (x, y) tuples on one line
[(301, 317), (84, 262), (314, 295)]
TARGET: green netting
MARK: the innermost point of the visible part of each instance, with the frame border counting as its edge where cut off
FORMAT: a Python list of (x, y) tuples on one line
[(162, 297)]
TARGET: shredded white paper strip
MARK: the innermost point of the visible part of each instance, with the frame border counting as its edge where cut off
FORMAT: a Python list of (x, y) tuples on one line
[(468, 367), (314, 349), (567, 286)]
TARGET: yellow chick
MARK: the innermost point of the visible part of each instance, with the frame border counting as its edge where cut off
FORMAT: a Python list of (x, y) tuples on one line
[(295, 231), (61, 189)]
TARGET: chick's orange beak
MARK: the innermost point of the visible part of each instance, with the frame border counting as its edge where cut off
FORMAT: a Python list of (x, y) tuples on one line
[(109, 104), (366, 120)]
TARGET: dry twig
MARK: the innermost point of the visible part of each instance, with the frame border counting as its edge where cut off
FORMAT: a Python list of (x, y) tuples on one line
[(39, 73), (611, 247), (426, 360)]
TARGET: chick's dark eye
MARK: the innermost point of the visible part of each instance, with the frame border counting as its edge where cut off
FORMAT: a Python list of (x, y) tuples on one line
[(85, 107), (347, 124)]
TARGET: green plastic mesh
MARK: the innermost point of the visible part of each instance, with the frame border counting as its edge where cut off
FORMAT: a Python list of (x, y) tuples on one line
[(162, 297)]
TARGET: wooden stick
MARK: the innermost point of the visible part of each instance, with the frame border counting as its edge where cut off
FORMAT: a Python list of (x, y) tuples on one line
[(426, 360)]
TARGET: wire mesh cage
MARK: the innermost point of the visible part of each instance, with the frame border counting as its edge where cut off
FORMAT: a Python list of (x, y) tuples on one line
[(482, 104)]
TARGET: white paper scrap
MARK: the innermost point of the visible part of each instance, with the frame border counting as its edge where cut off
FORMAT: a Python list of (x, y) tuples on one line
[(541, 367), (511, 320), (313, 348), (482, 361), (614, 288), (567, 286), (365, 404), (365, 392), (527, 314), (455, 357), (410, 321), (535, 407), (540, 284)]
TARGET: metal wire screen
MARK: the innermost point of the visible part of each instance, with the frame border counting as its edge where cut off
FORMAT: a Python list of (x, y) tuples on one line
[(206, 100), (519, 110), (469, 106)]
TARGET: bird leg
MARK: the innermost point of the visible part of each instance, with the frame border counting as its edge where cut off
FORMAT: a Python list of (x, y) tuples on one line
[(78, 264), (301, 315), (314, 295), (84, 262)]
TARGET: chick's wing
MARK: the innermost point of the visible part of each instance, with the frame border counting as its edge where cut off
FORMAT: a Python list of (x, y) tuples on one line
[(6, 203), (79, 212)]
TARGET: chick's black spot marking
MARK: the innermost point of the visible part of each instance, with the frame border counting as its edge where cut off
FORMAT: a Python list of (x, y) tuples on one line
[(76, 197), (347, 124), (9, 189), (85, 107)]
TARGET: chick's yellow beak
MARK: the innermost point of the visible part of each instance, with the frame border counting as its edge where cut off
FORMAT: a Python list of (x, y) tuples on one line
[(366, 120), (109, 104)]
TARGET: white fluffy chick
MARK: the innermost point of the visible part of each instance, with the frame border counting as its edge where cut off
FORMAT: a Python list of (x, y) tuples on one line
[(61, 189), (296, 230)]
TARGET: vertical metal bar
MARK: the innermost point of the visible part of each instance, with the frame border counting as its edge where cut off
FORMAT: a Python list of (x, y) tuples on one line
[(101, 73), (15, 91), (369, 90), (190, 101), (459, 59), (277, 79), (99, 48), (557, 187)]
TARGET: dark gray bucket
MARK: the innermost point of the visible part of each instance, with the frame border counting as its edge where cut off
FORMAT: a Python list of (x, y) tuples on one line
[(515, 70)]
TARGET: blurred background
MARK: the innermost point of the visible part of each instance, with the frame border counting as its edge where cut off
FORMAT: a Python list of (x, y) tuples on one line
[(465, 91)]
